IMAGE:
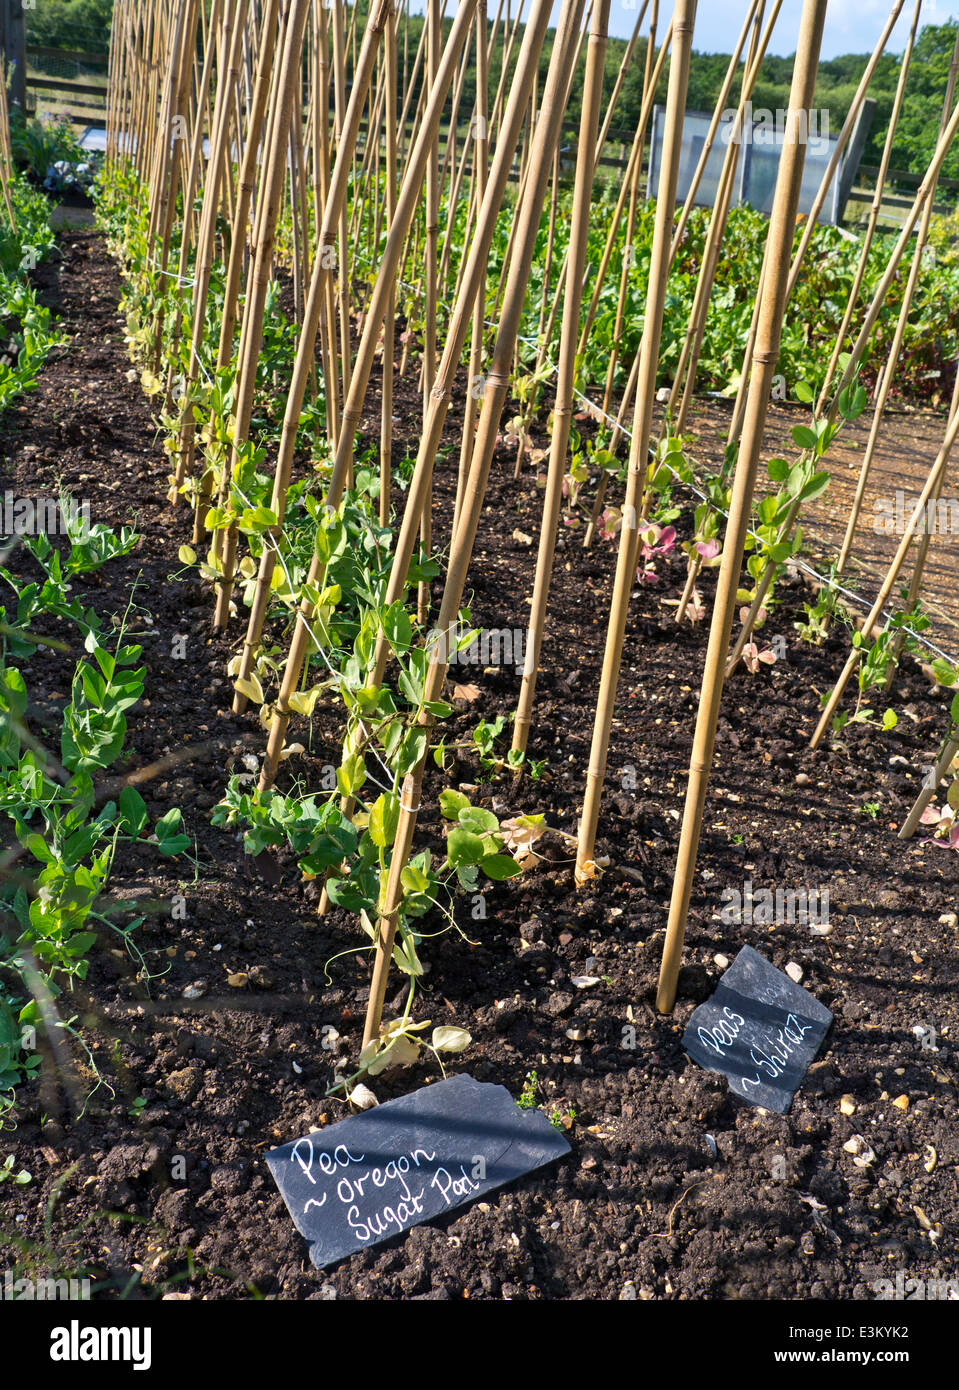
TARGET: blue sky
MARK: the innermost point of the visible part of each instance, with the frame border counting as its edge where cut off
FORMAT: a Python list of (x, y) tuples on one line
[(852, 26)]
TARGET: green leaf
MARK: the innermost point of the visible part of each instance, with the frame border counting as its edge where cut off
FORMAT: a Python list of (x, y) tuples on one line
[(351, 775), (944, 672), (169, 824), (39, 848), (499, 866), (411, 684), (448, 1039), (451, 803), (412, 750), (817, 484), (464, 847), (767, 510), (852, 402), (174, 844), (480, 821), (439, 709), (384, 818), (414, 880), (397, 627), (133, 811), (405, 957), (80, 943)]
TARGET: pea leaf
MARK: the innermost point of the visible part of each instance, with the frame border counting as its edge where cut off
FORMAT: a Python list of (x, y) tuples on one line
[(499, 866)]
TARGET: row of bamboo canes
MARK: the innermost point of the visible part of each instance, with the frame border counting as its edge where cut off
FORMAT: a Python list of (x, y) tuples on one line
[(242, 117)]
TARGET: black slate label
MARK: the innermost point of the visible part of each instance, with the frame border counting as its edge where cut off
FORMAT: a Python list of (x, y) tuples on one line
[(760, 1030), (374, 1175)]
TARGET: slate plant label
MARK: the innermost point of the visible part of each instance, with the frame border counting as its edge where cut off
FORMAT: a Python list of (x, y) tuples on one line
[(376, 1174), (760, 1030)]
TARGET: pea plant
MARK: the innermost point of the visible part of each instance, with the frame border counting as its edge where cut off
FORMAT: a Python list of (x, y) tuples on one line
[(51, 917), (345, 838), (704, 548), (877, 659), (821, 612)]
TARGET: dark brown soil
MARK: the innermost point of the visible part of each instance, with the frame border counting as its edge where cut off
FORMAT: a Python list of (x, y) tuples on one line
[(673, 1189)]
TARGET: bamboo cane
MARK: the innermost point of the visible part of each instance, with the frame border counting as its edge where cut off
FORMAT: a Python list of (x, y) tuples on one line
[(250, 341), (892, 574), (844, 134), (621, 73), (563, 405), (389, 318), (507, 54), (545, 137), (922, 554), (410, 86), (892, 360), (256, 126), (684, 15), (946, 758), (177, 108), (163, 143), (630, 183), (689, 353), (431, 248), (203, 264), (752, 21), (619, 429), (480, 161), (343, 278), (381, 293), (470, 290), (828, 175), (772, 569), (475, 270), (635, 154), (186, 241), (779, 240), (923, 193), (876, 207)]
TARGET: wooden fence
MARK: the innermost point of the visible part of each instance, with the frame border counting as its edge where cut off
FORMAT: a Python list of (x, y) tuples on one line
[(66, 85)]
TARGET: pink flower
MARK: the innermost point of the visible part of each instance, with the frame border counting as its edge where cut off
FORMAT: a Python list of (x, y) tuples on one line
[(609, 523), (753, 656), (946, 832), (695, 608), (654, 541)]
